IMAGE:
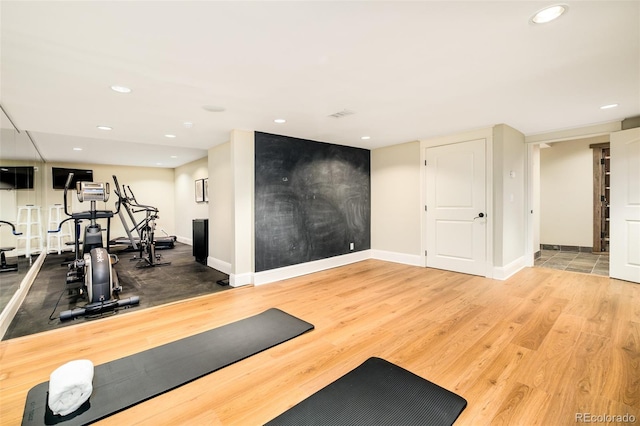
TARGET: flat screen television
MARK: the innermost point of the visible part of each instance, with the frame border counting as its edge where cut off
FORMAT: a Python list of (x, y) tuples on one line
[(16, 177), (60, 175)]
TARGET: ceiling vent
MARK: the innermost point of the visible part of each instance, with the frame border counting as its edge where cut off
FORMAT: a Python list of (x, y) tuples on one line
[(342, 113)]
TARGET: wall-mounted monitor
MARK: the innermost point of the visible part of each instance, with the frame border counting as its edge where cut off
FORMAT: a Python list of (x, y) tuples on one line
[(60, 175), (16, 177)]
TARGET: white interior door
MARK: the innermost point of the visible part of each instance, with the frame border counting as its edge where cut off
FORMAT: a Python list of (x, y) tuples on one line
[(456, 207), (624, 209)]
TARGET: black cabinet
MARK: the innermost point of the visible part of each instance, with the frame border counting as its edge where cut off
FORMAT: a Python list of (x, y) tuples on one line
[(201, 240)]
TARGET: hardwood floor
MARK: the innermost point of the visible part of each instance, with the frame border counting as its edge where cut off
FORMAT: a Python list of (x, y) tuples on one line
[(541, 348)]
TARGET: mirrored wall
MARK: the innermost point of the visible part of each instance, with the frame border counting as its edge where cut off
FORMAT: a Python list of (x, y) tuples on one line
[(21, 201)]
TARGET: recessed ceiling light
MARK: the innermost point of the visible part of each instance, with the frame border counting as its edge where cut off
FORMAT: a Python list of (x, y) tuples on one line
[(365, 138), (104, 127), (77, 149), (213, 108), (174, 156), (608, 106), (120, 89), (279, 120), (187, 124), (549, 13), (169, 136)]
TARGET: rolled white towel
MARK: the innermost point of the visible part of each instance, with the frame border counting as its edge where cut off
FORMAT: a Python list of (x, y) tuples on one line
[(70, 385)]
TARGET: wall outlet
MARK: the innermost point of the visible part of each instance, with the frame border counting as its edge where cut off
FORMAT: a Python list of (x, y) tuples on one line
[(350, 246)]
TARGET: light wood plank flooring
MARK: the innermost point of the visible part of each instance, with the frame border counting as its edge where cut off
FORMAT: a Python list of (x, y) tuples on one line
[(537, 349)]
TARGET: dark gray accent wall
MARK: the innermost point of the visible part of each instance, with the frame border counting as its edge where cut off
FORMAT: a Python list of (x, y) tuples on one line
[(312, 200)]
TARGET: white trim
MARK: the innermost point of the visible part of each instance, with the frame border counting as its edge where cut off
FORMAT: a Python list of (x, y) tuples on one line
[(529, 205), (9, 312), (239, 280), (489, 206), (218, 264), (423, 202), (505, 272), (292, 271), (390, 256), (486, 133), (575, 133), (185, 240)]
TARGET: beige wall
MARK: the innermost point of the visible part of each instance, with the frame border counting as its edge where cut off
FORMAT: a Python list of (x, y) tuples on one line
[(151, 186), (509, 195), (220, 206), (184, 192), (242, 245), (395, 198), (231, 207), (566, 192)]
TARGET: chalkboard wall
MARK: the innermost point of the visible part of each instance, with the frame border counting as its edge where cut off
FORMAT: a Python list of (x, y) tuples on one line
[(312, 200)]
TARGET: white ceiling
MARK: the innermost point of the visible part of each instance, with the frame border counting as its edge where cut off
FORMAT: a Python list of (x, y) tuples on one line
[(409, 70)]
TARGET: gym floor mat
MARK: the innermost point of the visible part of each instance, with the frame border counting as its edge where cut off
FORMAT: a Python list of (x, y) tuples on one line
[(125, 382), (376, 393)]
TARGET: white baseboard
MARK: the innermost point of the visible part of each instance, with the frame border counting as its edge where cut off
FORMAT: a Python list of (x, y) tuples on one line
[(292, 271), (504, 272), (235, 280), (9, 312), (218, 264), (185, 240), (390, 256), (278, 274), (238, 280)]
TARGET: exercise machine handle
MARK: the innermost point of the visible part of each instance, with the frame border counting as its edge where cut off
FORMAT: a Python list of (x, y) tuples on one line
[(13, 228), (118, 193), (132, 197), (66, 188), (53, 231)]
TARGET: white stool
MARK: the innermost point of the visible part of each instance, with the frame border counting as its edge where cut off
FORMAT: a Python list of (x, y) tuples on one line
[(56, 238), (28, 222)]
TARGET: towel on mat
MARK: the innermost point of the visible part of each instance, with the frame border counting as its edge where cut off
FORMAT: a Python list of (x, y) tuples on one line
[(70, 385)]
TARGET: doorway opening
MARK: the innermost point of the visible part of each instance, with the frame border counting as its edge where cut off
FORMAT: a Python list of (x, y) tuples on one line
[(573, 205)]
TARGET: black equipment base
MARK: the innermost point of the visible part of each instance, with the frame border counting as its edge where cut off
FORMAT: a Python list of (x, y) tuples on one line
[(7, 267), (376, 393), (120, 384), (162, 242), (99, 308)]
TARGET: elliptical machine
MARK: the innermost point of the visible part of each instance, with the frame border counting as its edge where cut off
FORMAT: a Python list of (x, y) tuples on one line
[(146, 242), (92, 273)]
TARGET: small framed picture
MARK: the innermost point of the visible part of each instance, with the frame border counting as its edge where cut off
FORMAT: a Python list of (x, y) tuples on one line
[(206, 190), (199, 190)]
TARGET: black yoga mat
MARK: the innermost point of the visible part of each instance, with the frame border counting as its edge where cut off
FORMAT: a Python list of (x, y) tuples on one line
[(125, 382), (376, 393)]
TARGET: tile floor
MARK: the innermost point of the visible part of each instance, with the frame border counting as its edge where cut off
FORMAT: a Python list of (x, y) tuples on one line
[(588, 263)]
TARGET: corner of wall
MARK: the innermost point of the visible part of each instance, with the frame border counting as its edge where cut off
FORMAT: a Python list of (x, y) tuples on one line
[(509, 195), (242, 171), (504, 272)]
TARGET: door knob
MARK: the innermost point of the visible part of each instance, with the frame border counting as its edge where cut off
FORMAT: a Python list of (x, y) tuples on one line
[(480, 215)]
